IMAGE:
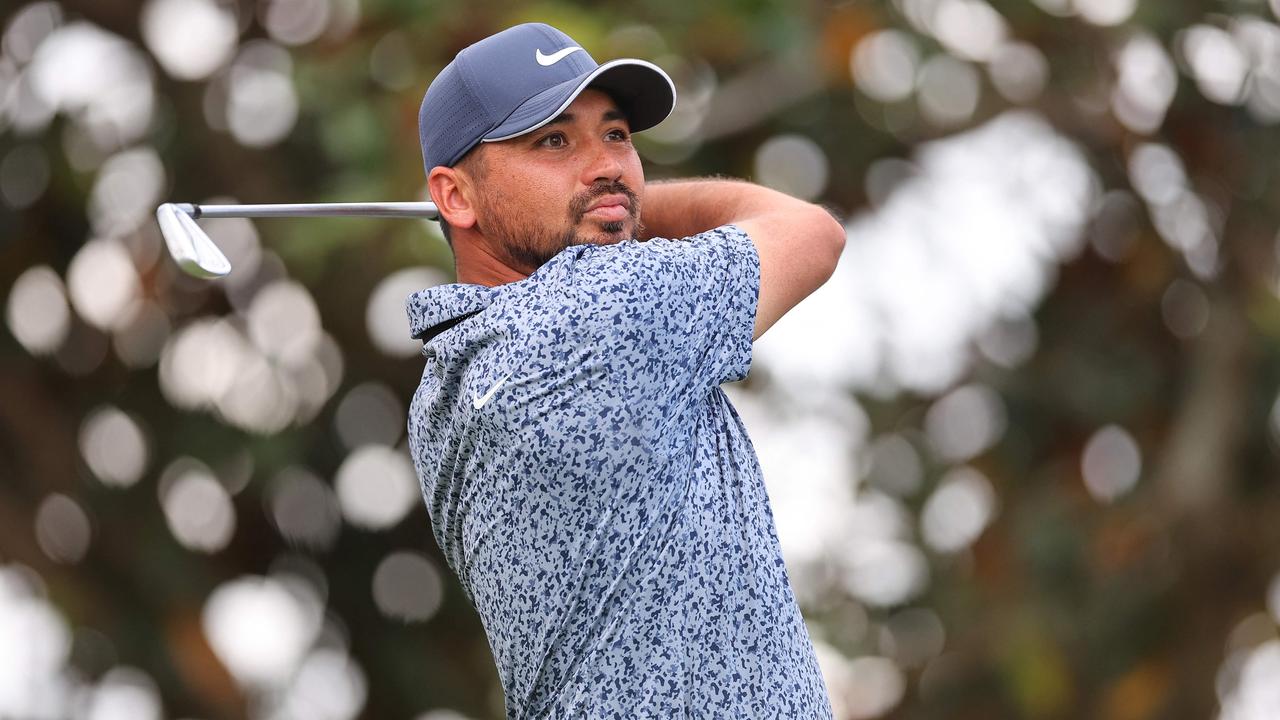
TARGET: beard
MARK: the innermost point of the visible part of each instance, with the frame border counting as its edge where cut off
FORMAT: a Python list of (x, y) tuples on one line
[(531, 246)]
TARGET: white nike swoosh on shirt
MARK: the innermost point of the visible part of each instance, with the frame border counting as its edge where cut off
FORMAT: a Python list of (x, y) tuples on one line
[(553, 58), (480, 401)]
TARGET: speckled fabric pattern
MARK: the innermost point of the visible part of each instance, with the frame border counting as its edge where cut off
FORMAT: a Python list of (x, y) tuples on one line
[(596, 493)]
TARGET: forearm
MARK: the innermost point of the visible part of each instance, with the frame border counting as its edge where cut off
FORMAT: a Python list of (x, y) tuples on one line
[(679, 208), (798, 244)]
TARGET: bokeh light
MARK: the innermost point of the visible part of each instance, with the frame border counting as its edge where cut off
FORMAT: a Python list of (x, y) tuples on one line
[(262, 398), (967, 240), (126, 191), (1106, 12), (211, 363), (964, 422), (895, 466), (261, 627), (913, 637), (793, 164), (442, 714), (369, 414), (957, 512), (304, 509), (190, 38), (196, 506), (1019, 72), (408, 586), (1056, 7), (123, 693), (329, 685), (102, 81), (806, 464), (1248, 688), (385, 314), (103, 284), (36, 647), (295, 22), (200, 361), (283, 322), (1185, 309), (1012, 274), (37, 312), (114, 446), (1111, 463), (1116, 225), (261, 102), (1260, 40), (391, 62), (1217, 63), (376, 487), (62, 529), (1009, 341), (971, 29), (1157, 173), (884, 65), (139, 342), (948, 90), (1273, 597), (679, 135), (862, 687), (884, 572), (28, 27)]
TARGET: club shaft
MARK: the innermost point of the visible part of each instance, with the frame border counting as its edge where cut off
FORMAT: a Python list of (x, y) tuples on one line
[(371, 209)]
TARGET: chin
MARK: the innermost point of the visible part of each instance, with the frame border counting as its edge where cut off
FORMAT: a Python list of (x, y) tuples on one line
[(609, 233)]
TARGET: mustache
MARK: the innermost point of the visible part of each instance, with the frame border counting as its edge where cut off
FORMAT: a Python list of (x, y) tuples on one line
[(581, 203)]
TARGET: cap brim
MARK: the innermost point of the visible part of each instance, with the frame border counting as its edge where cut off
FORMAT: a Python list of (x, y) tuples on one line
[(642, 90)]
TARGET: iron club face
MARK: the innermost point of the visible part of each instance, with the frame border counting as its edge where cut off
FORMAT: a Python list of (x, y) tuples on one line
[(189, 246), (197, 255)]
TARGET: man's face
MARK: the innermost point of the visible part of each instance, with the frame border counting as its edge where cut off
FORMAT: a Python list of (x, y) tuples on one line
[(574, 181)]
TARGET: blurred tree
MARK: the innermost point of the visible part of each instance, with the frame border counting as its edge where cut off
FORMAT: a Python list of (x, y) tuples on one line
[(1068, 514)]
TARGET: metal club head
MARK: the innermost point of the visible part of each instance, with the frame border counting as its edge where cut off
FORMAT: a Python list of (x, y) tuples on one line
[(190, 247), (196, 254)]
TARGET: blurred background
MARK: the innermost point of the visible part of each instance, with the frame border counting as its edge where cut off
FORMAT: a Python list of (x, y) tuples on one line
[(1021, 448)]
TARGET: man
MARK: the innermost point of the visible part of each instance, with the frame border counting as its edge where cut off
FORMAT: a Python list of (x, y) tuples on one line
[(587, 479)]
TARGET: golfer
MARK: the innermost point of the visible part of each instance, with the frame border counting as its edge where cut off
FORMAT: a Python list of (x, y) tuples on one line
[(586, 477)]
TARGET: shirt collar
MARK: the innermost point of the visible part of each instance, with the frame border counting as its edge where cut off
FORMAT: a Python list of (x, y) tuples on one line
[(436, 309)]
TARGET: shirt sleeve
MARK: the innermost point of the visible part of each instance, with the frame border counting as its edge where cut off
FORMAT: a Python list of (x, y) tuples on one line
[(668, 314)]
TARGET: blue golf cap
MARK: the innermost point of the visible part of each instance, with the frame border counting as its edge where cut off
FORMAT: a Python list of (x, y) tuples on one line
[(520, 79)]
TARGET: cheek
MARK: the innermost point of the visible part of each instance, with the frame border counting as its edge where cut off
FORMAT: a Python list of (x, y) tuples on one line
[(633, 174), (523, 193)]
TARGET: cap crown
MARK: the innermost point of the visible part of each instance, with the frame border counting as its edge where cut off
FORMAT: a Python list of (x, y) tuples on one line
[(488, 81)]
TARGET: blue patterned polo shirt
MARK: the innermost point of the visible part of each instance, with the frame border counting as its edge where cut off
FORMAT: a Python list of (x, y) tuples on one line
[(597, 495)]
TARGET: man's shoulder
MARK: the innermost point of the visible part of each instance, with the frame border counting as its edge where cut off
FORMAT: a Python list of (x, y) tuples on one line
[(636, 261)]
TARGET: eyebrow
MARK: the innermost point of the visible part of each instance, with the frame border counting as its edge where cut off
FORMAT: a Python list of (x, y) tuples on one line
[(608, 115)]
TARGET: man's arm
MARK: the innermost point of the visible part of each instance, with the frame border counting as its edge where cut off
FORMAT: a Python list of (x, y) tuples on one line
[(798, 242)]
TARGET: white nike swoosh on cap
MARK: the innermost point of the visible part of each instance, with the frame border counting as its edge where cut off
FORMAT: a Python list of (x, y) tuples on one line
[(479, 402), (553, 58)]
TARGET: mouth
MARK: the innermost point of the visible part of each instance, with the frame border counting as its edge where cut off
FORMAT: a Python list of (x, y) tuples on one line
[(609, 208)]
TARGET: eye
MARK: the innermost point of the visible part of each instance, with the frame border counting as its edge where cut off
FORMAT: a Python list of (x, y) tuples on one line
[(553, 140), (617, 134)]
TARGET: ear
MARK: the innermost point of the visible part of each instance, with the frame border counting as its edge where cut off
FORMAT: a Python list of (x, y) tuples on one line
[(451, 192)]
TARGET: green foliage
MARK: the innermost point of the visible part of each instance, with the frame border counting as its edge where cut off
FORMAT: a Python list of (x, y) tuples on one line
[(1066, 606)]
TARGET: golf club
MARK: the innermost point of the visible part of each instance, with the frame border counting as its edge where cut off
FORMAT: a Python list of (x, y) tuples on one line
[(196, 254)]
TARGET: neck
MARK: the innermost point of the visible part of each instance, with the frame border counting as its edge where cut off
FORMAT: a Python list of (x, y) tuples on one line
[(476, 264)]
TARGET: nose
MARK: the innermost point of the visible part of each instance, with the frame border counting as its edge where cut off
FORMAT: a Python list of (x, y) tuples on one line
[(604, 164)]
